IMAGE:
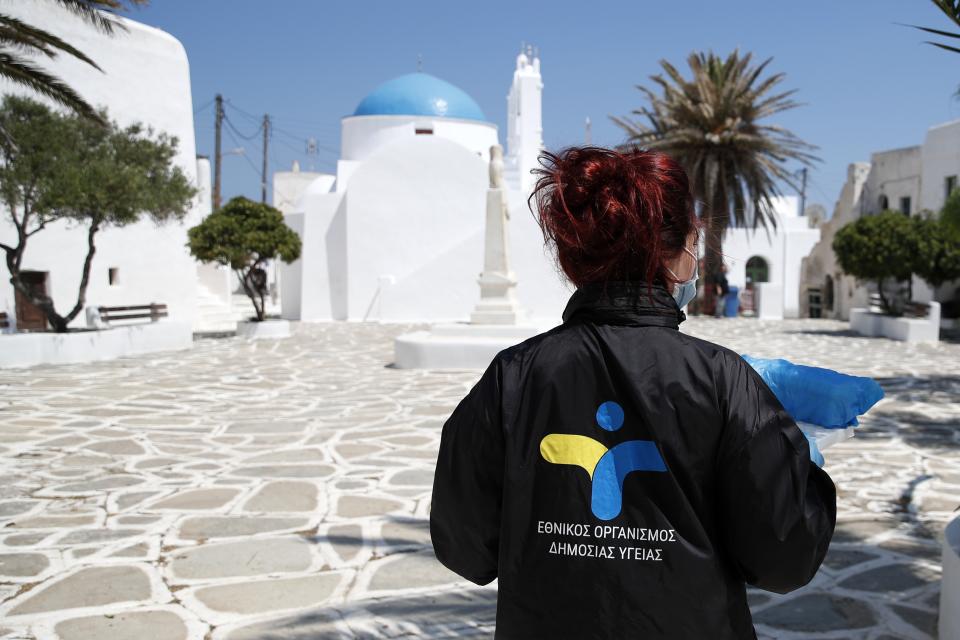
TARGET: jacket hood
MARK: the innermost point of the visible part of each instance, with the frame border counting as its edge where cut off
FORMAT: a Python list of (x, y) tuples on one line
[(624, 302)]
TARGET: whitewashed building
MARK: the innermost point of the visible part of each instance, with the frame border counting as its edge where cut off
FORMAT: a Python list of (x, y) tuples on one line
[(397, 234), (909, 180), (145, 78), (755, 256)]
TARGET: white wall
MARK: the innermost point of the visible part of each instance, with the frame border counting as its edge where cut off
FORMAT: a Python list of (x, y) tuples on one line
[(783, 251), (290, 186), (941, 158), (314, 286), (542, 289), (362, 136), (410, 208), (146, 78), (894, 174)]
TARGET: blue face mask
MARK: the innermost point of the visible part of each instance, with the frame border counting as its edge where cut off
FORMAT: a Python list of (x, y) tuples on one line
[(684, 292)]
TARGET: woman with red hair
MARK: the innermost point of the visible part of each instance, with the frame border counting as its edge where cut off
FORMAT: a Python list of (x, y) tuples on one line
[(619, 478)]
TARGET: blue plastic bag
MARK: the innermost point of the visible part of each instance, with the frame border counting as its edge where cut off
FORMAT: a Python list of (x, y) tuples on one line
[(813, 394)]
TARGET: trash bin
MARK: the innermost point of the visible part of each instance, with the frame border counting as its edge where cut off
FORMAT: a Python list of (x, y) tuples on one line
[(732, 302)]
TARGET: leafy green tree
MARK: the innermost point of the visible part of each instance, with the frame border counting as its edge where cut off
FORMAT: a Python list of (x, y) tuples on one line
[(244, 235), (71, 170), (878, 248), (20, 42), (711, 124), (936, 257), (950, 214)]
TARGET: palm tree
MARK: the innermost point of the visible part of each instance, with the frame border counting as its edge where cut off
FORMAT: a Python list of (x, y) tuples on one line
[(709, 124), (21, 41), (951, 9)]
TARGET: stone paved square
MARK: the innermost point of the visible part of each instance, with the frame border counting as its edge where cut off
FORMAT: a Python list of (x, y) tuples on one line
[(280, 489)]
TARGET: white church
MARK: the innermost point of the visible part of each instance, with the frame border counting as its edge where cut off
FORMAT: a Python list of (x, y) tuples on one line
[(397, 234)]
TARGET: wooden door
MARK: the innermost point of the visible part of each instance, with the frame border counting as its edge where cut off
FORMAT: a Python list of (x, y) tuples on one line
[(29, 316)]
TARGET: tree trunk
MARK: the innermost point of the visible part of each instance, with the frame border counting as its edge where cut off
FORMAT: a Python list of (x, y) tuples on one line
[(85, 276), (244, 276), (44, 303), (716, 223), (884, 303)]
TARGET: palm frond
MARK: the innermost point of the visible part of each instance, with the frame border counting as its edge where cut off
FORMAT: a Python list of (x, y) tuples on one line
[(944, 46), (98, 13), (936, 32), (44, 83), (19, 34)]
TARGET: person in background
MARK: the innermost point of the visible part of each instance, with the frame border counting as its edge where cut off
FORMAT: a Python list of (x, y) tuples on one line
[(721, 290)]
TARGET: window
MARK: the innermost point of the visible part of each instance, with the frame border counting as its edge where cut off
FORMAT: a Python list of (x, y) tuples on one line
[(884, 203), (949, 183), (905, 205), (113, 273), (757, 270)]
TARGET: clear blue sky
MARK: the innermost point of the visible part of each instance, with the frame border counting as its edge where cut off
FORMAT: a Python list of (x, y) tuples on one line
[(867, 82)]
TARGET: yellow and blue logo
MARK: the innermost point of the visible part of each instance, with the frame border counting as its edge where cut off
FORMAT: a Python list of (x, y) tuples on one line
[(607, 468)]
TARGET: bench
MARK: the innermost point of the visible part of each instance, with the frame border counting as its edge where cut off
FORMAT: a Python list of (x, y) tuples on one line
[(154, 311), (916, 309), (910, 309)]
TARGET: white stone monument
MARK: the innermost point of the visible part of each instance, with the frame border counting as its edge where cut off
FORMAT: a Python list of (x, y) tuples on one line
[(497, 322), (498, 302)]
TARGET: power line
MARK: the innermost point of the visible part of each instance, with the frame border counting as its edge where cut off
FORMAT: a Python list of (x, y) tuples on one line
[(245, 156), (242, 112), (205, 106), (299, 137), (237, 131)]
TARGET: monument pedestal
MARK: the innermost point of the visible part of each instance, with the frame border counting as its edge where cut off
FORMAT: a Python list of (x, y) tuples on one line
[(496, 322), (459, 345)]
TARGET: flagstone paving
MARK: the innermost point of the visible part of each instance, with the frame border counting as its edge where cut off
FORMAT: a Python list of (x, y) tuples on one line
[(252, 490)]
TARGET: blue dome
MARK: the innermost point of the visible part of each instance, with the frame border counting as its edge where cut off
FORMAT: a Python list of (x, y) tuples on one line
[(419, 94)]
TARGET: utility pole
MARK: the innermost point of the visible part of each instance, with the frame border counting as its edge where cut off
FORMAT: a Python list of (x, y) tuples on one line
[(217, 156), (803, 191), (587, 135), (263, 171)]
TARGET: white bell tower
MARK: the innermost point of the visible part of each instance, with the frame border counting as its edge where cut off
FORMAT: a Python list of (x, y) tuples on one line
[(524, 122)]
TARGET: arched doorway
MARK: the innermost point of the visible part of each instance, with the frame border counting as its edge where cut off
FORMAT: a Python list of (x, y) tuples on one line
[(757, 270)]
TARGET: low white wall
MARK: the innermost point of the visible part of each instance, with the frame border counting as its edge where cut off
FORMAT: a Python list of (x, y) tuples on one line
[(29, 349), (871, 323), (769, 300), (950, 585)]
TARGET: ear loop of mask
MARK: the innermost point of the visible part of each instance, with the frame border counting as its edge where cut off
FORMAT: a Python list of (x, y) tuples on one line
[(696, 270)]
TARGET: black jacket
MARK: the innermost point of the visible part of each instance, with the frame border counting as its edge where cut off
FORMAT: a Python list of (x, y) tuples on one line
[(625, 480)]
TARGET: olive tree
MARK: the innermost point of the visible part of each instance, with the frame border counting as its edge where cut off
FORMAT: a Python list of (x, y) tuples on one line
[(70, 170), (244, 235), (936, 256), (877, 248)]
